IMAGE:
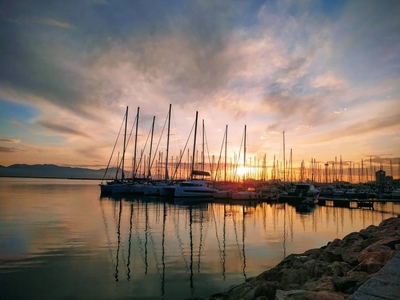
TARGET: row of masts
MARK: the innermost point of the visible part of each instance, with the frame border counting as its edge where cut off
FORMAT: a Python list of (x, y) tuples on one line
[(256, 169)]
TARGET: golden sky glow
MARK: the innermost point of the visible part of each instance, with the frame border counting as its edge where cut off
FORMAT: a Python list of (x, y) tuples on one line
[(325, 72)]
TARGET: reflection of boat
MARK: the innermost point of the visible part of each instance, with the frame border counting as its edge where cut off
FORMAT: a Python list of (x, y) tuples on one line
[(305, 208), (310, 201)]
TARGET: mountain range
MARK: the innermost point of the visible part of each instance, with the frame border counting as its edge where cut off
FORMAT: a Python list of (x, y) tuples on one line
[(52, 171)]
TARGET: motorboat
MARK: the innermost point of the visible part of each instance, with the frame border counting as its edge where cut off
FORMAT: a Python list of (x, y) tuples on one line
[(249, 194), (395, 194), (271, 194), (351, 193), (107, 188), (121, 188), (301, 191), (223, 194), (136, 188), (153, 188)]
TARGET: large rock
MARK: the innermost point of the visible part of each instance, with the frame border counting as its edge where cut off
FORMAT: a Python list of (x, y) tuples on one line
[(349, 283), (332, 272), (307, 295)]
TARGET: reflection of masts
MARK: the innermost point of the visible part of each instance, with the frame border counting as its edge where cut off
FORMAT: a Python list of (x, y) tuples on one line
[(128, 274), (145, 239), (119, 241), (242, 256), (243, 249), (106, 230), (191, 247), (224, 247), (201, 241), (163, 251), (284, 231), (176, 225), (222, 253)]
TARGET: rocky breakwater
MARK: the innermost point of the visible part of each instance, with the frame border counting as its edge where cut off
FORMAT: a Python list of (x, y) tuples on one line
[(331, 272)]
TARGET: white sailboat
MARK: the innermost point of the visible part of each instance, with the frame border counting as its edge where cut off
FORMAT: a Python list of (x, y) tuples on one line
[(109, 185), (250, 193), (122, 186), (194, 188)]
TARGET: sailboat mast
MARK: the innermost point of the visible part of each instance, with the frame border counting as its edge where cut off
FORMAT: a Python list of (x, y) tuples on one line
[(166, 159), (134, 151), (226, 151), (194, 145), (244, 152), (284, 160), (151, 147), (202, 152), (123, 154)]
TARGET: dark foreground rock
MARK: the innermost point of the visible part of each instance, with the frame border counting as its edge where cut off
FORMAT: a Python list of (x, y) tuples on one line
[(332, 272)]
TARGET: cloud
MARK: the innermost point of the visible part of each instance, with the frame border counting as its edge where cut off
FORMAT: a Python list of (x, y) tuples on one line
[(62, 129), (329, 81), (11, 141), (358, 128), (52, 22), (282, 66), (9, 150)]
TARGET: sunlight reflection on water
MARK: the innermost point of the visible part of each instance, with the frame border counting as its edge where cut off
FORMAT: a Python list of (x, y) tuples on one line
[(59, 239)]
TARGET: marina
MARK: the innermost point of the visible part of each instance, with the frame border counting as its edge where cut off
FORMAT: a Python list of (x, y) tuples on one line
[(151, 247)]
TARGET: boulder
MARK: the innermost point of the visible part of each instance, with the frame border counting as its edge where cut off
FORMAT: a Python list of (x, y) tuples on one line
[(307, 295), (267, 289), (349, 283), (332, 272)]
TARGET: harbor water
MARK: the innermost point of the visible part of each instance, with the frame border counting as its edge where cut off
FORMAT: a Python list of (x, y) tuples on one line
[(59, 239)]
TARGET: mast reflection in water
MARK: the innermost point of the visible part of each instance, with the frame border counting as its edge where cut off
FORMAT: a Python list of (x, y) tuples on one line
[(58, 240)]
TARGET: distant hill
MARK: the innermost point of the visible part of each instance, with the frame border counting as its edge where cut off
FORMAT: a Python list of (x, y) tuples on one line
[(52, 171)]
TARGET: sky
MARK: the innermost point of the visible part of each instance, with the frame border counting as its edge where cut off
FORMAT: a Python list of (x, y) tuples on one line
[(324, 72)]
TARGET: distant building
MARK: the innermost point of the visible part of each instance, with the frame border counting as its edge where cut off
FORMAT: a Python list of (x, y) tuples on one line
[(380, 176), (382, 180)]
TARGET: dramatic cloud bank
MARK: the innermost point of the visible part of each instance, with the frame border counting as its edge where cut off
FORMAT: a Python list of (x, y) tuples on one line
[(325, 72)]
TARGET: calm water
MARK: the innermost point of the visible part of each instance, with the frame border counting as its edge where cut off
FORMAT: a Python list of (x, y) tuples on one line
[(60, 240)]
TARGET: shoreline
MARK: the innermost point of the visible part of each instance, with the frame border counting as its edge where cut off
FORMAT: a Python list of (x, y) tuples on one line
[(334, 271), (51, 177)]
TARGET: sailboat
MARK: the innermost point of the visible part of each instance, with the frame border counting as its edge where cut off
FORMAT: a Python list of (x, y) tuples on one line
[(223, 192), (250, 193), (135, 187), (109, 185), (195, 188), (122, 186)]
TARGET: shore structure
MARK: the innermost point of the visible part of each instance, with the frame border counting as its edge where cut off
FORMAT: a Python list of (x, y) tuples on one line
[(363, 265)]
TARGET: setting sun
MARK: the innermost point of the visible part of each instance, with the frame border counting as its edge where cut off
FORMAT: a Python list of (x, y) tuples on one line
[(241, 171)]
